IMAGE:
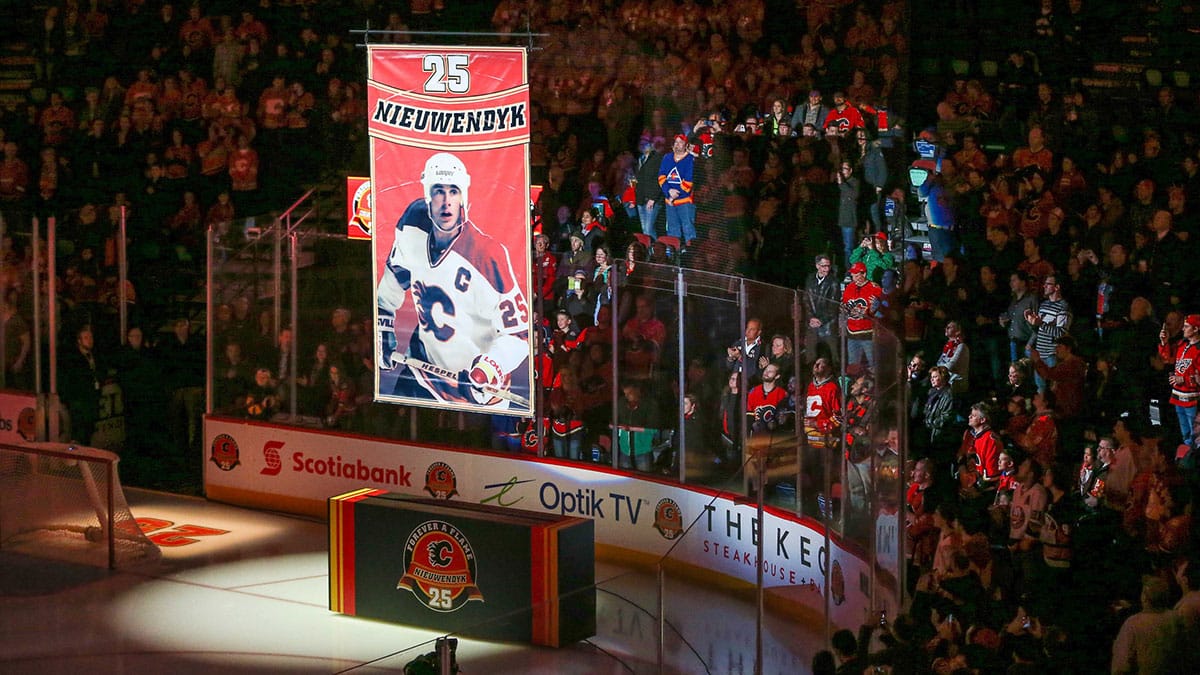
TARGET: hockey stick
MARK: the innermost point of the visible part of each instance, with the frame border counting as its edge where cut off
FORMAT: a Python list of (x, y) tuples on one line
[(425, 366)]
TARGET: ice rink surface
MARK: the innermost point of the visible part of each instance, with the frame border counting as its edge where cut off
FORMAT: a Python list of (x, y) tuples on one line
[(242, 591)]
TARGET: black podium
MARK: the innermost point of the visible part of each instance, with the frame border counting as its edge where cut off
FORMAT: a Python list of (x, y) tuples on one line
[(469, 569)]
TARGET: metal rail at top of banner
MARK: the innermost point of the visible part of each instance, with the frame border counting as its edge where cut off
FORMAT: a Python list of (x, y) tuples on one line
[(368, 32)]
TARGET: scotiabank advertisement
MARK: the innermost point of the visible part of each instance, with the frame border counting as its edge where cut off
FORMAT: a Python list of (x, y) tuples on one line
[(296, 470)]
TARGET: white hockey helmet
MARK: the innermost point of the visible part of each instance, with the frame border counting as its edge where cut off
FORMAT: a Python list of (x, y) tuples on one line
[(446, 169)]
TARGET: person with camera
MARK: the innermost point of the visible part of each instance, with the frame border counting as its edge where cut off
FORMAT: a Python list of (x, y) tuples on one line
[(743, 354)]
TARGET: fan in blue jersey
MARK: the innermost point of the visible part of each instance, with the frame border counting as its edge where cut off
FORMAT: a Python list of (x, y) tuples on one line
[(450, 299)]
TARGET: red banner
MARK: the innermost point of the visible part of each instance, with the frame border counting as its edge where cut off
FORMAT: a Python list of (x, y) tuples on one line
[(450, 189)]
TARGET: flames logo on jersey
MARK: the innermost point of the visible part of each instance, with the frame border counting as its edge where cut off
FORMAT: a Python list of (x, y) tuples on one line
[(439, 566), (857, 308), (225, 453), (440, 481), (767, 414), (668, 518)]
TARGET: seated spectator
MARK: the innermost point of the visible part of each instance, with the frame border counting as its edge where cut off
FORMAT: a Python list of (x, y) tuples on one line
[(261, 401), (233, 379), (341, 404)]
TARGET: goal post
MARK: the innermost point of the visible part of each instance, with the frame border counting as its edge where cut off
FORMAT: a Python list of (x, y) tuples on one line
[(65, 501)]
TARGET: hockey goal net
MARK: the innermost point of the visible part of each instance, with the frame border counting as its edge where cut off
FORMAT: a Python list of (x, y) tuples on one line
[(65, 502)]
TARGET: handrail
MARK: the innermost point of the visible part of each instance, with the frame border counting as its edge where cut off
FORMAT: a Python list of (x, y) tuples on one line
[(297, 203), (303, 218)]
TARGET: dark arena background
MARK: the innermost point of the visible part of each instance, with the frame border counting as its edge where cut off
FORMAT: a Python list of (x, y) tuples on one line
[(920, 391)]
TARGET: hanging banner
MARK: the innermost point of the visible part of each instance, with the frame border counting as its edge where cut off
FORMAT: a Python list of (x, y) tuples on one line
[(449, 134)]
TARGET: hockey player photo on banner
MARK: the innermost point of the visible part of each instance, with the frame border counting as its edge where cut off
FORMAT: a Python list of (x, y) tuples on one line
[(450, 241)]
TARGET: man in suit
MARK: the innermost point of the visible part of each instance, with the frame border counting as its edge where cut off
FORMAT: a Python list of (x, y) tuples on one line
[(745, 352)]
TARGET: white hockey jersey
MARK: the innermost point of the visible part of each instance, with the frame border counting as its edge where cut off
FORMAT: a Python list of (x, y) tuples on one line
[(465, 302)]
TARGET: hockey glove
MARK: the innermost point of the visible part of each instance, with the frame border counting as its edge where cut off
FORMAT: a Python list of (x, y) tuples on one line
[(483, 377), (385, 343)]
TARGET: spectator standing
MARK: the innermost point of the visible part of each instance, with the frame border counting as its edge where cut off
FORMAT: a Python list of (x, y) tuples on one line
[(812, 111), (675, 180), (743, 354), (1050, 321), (15, 342), (80, 377), (1146, 640), (956, 357), (939, 211), (1185, 376), (183, 358), (822, 299), (1023, 303), (849, 188), (1067, 378), (860, 302), (940, 416), (140, 373), (766, 403), (649, 196)]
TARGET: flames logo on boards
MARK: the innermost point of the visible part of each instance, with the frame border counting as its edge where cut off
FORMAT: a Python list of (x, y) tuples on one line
[(225, 453), (26, 421), (837, 583), (668, 518), (439, 567), (271, 458), (440, 481), (360, 204)]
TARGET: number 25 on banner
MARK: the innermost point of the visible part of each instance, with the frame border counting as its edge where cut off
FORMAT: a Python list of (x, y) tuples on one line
[(448, 72)]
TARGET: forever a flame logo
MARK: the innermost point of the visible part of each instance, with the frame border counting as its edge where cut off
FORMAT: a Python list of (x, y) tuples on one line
[(439, 567), (668, 519), (224, 452), (440, 481)]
